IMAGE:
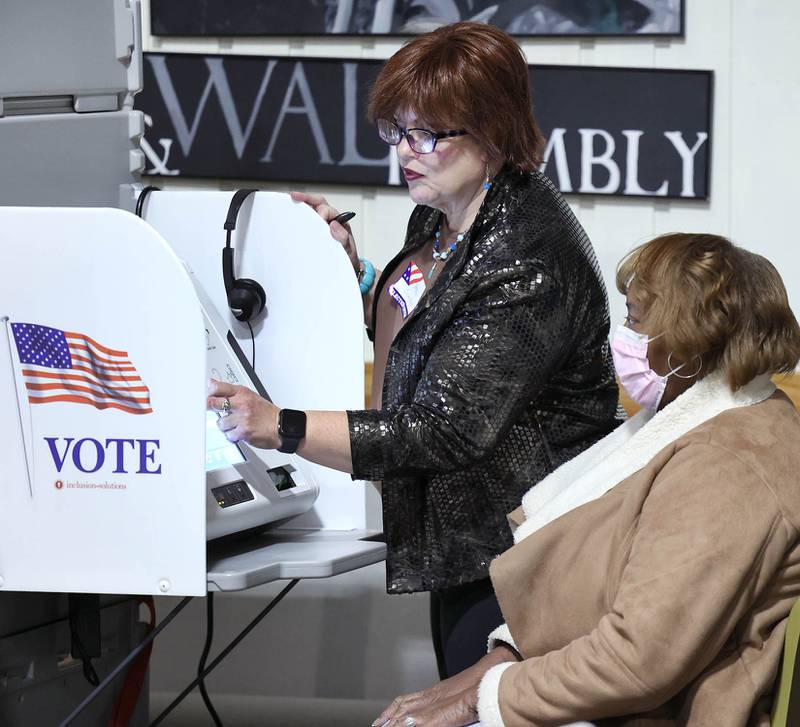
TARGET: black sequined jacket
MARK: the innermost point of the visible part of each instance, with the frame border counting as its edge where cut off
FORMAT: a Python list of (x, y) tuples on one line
[(500, 374)]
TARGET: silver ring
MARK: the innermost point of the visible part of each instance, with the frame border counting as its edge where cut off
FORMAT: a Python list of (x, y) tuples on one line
[(410, 722), (226, 407)]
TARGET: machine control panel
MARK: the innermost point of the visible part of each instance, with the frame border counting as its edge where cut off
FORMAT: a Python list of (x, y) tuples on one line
[(232, 493)]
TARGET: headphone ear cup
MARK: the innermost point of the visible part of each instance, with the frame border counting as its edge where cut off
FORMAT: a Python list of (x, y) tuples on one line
[(246, 299)]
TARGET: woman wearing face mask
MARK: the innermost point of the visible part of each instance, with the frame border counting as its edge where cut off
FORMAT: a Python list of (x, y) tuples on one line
[(653, 574), (490, 327)]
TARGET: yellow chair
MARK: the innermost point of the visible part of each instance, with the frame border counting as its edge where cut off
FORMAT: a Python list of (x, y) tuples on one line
[(786, 708)]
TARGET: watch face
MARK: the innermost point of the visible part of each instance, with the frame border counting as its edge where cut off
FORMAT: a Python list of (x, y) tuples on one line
[(292, 423)]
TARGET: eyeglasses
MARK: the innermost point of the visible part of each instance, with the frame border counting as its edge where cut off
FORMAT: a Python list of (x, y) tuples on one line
[(422, 141)]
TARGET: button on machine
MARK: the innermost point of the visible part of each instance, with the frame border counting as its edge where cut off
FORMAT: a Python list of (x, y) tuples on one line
[(232, 493)]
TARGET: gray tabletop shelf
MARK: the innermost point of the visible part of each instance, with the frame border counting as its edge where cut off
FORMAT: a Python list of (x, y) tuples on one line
[(236, 565)]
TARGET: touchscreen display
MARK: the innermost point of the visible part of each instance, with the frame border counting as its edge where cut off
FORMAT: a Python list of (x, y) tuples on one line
[(219, 451)]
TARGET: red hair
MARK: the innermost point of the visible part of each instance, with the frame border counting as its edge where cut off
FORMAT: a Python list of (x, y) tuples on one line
[(465, 75)]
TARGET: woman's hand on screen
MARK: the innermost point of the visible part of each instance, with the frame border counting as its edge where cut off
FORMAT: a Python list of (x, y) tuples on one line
[(244, 415)]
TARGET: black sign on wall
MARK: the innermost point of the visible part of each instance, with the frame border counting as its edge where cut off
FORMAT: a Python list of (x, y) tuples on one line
[(611, 131)]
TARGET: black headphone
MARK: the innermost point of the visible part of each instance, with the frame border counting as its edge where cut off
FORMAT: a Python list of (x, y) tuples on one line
[(142, 197), (246, 297)]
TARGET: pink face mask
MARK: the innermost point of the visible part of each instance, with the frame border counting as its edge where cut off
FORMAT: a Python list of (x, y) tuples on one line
[(644, 386)]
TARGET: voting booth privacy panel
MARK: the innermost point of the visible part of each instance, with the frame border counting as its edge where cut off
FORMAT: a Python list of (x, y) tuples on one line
[(102, 381), (309, 352), (115, 474)]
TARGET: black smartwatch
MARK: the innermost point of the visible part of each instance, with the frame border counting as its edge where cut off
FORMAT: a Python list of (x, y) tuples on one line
[(291, 429)]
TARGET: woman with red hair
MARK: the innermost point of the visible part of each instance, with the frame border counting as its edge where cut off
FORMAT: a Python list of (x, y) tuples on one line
[(490, 327)]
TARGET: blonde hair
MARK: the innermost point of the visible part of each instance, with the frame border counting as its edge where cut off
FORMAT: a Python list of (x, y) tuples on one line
[(712, 299)]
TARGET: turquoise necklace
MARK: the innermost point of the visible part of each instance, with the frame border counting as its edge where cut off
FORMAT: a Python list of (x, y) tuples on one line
[(443, 255)]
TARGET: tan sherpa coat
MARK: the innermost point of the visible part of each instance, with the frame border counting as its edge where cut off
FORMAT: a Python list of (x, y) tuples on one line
[(663, 602)]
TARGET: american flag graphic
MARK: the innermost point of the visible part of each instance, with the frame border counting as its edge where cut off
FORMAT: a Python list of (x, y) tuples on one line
[(64, 366), (412, 274)]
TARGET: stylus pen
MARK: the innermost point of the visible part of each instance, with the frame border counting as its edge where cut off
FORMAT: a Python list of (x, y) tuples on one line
[(344, 218)]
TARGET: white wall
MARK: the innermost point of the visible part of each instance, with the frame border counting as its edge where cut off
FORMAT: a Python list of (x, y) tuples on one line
[(345, 637)]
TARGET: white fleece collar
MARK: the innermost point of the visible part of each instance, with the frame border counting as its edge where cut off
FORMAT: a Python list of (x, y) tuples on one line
[(630, 447)]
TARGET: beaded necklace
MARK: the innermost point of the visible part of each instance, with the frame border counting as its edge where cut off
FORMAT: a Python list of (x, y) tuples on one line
[(443, 255)]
